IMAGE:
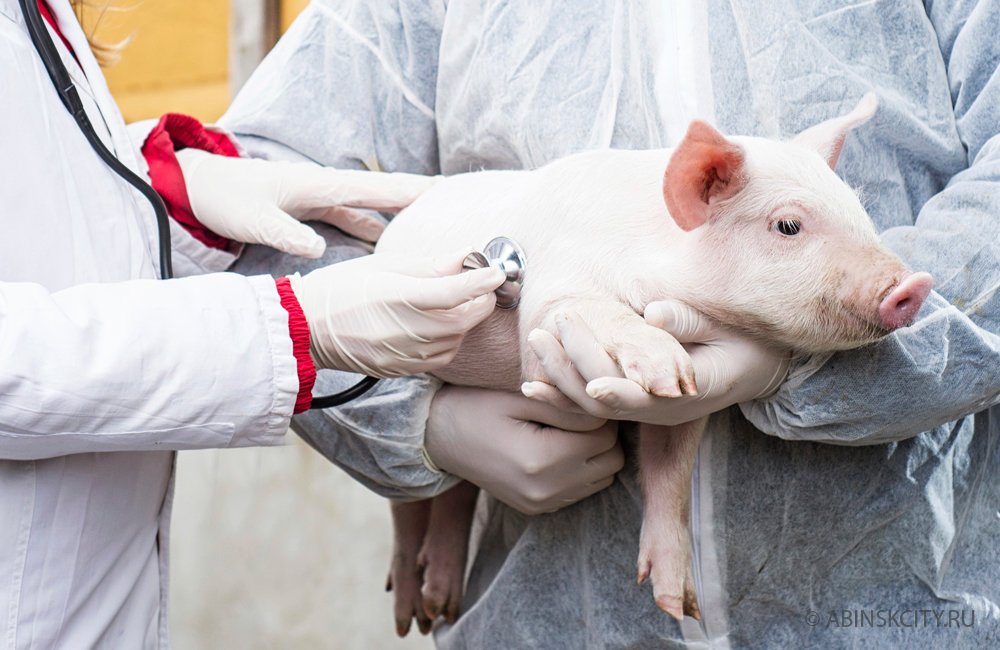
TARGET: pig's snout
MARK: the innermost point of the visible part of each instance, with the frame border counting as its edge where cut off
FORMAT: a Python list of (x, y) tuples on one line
[(900, 307)]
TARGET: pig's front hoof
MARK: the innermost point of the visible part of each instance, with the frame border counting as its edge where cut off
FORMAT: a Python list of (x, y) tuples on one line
[(666, 559), (655, 360)]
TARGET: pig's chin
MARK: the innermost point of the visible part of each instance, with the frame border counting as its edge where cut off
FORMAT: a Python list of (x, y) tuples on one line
[(837, 342), (818, 328), (848, 328), (813, 326), (832, 328)]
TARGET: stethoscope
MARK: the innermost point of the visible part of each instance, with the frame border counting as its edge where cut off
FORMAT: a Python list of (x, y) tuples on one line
[(502, 252)]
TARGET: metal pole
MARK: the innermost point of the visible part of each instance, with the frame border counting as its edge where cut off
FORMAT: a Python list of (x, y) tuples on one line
[(253, 31)]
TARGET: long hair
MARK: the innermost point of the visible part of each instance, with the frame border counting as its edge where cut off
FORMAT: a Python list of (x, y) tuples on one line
[(90, 13)]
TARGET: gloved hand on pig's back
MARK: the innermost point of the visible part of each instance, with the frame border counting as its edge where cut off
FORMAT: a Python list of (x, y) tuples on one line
[(534, 457), (253, 201), (729, 368)]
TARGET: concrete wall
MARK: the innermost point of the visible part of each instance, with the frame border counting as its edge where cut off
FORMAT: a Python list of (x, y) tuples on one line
[(276, 548)]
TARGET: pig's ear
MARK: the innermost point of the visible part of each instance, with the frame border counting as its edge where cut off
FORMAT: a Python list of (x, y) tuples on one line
[(705, 168), (827, 138)]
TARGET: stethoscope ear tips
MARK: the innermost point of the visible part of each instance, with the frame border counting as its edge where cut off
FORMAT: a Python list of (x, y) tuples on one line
[(505, 254)]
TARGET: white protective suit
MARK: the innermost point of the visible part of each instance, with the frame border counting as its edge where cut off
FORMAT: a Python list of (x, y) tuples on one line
[(105, 370), (890, 542)]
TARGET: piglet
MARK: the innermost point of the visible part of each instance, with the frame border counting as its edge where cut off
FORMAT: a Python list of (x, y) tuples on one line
[(758, 234)]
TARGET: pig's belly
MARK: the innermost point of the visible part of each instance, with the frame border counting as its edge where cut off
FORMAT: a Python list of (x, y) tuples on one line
[(490, 356), (467, 211)]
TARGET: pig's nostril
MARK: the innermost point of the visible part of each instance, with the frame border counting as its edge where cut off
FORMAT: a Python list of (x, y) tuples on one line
[(900, 307)]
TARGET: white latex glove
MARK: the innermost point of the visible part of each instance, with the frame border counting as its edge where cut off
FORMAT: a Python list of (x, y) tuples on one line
[(388, 316), (262, 202), (532, 456), (729, 368)]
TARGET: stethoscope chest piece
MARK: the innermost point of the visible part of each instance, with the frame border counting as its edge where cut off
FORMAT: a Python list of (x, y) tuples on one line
[(505, 254)]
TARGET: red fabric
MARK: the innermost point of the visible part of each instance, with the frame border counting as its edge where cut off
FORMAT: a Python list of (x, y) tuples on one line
[(43, 8), (173, 133), (298, 327)]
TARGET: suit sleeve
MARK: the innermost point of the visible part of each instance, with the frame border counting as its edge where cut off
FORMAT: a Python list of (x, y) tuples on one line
[(944, 367)]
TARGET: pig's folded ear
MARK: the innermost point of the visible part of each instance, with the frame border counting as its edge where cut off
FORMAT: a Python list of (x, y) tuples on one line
[(827, 138), (704, 169)]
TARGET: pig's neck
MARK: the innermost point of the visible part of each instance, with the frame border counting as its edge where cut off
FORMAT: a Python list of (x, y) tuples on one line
[(664, 271)]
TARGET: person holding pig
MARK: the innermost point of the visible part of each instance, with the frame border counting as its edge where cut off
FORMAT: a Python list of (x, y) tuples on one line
[(839, 500)]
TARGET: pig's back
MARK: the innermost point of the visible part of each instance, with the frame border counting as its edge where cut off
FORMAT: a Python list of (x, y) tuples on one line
[(585, 223), (461, 211), (610, 195)]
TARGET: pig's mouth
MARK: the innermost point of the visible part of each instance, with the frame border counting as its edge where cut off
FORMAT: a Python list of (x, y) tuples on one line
[(855, 322), (862, 330), (846, 327), (862, 320)]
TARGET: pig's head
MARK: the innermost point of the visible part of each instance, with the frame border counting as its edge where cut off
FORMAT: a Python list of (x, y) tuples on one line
[(783, 247)]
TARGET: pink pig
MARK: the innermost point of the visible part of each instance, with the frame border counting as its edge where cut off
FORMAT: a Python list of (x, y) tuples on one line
[(758, 234)]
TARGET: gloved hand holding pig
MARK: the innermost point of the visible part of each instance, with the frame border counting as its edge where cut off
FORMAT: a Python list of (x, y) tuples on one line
[(729, 368)]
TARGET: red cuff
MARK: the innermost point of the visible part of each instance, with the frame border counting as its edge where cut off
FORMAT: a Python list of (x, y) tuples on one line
[(298, 328), (173, 133)]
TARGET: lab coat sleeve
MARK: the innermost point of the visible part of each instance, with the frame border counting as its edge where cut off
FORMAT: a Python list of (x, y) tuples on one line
[(378, 438), (352, 85), (944, 367), (144, 365)]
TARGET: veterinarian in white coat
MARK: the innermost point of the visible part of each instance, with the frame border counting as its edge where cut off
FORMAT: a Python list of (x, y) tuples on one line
[(105, 370)]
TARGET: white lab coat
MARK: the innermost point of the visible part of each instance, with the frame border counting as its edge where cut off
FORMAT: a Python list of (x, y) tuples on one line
[(105, 370)]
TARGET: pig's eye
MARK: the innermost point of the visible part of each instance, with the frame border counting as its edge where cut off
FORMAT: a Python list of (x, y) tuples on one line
[(788, 227)]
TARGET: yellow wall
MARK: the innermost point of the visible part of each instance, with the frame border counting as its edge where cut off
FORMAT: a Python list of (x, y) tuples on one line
[(177, 59), (289, 10)]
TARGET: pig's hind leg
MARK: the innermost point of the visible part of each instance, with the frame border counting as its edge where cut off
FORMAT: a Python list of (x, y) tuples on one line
[(409, 528), (647, 355), (666, 461), (445, 550)]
